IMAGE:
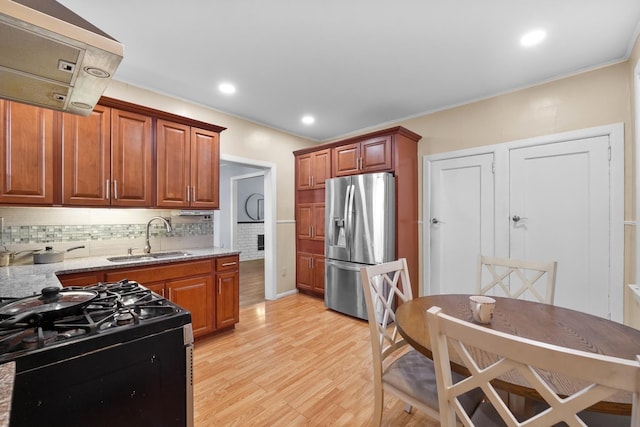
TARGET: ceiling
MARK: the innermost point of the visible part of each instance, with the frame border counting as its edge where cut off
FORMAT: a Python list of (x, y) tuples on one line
[(355, 64)]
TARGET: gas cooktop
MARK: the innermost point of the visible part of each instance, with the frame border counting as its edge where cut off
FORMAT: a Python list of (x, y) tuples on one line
[(79, 319)]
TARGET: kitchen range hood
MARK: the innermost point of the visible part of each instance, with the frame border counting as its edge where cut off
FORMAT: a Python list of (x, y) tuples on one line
[(51, 57)]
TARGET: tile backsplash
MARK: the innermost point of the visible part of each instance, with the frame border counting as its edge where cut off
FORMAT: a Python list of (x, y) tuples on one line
[(24, 234), (102, 231)]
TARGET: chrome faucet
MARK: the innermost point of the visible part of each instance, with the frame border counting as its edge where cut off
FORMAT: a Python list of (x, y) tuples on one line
[(147, 246)]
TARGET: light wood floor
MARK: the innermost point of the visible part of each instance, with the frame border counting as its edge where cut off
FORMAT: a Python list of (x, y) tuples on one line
[(251, 282), (290, 362)]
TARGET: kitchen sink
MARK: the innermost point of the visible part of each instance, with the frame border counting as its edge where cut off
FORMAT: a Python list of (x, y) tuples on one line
[(148, 257)]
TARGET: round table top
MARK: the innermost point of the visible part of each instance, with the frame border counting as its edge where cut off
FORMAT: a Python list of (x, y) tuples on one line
[(537, 321)]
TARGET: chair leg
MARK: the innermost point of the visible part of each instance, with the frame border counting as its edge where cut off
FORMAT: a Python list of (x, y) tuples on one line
[(407, 408), (378, 406)]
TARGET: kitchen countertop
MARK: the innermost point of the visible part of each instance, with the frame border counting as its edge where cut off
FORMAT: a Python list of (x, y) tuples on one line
[(19, 281), (7, 376)]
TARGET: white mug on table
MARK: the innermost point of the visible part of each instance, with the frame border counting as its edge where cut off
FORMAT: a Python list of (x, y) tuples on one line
[(482, 308)]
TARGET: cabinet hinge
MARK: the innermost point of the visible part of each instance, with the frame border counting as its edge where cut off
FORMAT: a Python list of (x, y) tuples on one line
[(493, 168), (609, 153)]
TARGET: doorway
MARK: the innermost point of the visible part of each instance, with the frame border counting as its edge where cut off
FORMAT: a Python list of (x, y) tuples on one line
[(225, 220)]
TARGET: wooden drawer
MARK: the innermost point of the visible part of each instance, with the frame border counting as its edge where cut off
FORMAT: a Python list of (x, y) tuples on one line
[(227, 263), (157, 273)]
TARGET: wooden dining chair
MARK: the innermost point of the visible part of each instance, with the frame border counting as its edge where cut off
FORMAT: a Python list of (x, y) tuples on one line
[(516, 278), (408, 375), (488, 354)]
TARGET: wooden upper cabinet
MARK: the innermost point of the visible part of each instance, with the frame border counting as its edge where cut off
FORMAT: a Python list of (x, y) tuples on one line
[(371, 155), (86, 158), (172, 163), (26, 154), (205, 169), (131, 159), (187, 166), (312, 169)]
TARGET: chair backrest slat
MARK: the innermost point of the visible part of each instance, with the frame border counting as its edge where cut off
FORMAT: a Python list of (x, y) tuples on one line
[(515, 278)]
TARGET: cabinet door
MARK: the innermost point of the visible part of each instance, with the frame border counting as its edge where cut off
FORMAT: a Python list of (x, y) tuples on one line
[(26, 154), (304, 171), (318, 274), (313, 169), (131, 159), (86, 158), (321, 167), (205, 169), (310, 221), (304, 221), (227, 297), (304, 271), (194, 294), (318, 221), (346, 159), (172, 164), (376, 154)]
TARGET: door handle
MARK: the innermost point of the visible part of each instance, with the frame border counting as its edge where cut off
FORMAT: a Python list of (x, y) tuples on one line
[(436, 221), (517, 218)]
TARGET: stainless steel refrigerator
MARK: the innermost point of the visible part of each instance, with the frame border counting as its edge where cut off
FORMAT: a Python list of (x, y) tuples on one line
[(359, 231)]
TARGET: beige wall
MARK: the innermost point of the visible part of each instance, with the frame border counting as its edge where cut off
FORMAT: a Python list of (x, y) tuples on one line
[(248, 140), (598, 97)]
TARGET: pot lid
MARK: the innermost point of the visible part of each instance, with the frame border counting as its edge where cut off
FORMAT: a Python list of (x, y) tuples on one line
[(52, 299)]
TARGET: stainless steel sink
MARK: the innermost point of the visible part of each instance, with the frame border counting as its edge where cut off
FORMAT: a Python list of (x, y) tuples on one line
[(148, 257)]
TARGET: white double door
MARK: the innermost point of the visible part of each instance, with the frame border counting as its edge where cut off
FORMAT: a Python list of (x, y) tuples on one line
[(557, 197)]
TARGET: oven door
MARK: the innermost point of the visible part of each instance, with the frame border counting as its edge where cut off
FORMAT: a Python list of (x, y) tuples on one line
[(143, 382)]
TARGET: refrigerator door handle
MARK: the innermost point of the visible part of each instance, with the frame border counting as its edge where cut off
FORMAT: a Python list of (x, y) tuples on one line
[(349, 216), (344, 265)]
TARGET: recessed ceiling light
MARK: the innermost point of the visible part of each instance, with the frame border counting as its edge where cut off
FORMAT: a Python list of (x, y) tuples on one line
[(227, 88), (308, 120), (532, 38)]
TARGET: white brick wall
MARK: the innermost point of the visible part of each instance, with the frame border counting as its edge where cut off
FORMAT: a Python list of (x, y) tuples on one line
[(247, 242)]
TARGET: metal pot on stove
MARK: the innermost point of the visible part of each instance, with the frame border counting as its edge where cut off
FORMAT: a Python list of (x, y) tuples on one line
[(51, 304), (49, 255)]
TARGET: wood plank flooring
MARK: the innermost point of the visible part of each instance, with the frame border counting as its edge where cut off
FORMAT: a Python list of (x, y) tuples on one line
[(251, 282), (290, 362)]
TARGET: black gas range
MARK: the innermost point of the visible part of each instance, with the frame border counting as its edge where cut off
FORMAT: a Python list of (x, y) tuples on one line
[(103, 355)]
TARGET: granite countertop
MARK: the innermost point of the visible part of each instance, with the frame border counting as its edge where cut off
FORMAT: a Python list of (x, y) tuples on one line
[(7, 376), (19, 281)]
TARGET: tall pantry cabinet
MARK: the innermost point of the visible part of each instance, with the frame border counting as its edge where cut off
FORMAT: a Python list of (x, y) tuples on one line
[(393, 150)]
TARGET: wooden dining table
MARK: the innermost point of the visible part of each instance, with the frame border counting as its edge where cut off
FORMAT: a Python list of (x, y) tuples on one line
[(541, 322)]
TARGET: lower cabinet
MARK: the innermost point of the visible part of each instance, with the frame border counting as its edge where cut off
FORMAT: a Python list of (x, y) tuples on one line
[(310, 272), (208, 289), (227, 291), (196, 295)]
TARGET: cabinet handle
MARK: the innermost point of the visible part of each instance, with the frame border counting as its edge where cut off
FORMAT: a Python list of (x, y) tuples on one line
[(188, 194), (227, 264), (108, 189), (170, 296), (219, 286), (312, 181), (115, 189), (193, 195), (309, 181), (312, 231)]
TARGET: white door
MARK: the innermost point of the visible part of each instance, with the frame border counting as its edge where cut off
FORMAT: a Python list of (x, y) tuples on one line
[(461, 221), (559, 210)]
